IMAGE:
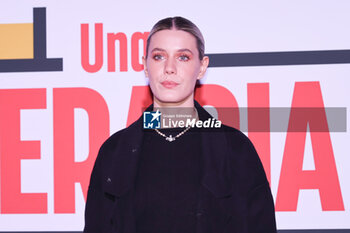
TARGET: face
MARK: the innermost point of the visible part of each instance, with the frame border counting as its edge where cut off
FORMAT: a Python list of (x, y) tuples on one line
[(173, 67)]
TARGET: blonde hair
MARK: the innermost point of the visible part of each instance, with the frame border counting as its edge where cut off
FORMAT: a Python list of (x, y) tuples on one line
[(178, 23)]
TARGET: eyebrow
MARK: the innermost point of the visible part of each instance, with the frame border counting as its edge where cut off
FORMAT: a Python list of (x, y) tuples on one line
[(185, 50), (180, 50)]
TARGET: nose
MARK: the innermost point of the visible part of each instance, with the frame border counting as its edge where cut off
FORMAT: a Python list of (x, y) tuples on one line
[(170, 66)]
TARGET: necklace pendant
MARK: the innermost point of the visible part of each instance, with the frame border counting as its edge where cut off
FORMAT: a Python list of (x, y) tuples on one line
[(170, 138)]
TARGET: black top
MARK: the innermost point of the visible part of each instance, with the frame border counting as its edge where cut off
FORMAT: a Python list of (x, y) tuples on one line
[(234, 195), (167, 182)]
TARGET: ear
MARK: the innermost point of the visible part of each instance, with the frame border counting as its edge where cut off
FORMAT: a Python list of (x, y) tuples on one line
[(203, 68), (145, 66)]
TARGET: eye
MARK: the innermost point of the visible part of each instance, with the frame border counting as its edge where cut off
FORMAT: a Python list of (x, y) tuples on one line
[(184, 57), (158, 57)]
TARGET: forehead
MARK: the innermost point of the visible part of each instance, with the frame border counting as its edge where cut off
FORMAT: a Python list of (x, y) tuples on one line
[(173, 40)]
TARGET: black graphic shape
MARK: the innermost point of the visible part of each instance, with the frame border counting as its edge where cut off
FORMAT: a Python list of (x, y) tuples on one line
[(278, 231), (40, 62), (279, 58)]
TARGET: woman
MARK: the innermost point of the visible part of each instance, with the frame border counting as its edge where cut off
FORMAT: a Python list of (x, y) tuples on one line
[(197, 181)]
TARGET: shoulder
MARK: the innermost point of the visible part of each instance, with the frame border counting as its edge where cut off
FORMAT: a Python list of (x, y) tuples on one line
[(123, 137), (112, 142), (111, 145), (237, 140), (107, 155), (244, 158), (107, 149)]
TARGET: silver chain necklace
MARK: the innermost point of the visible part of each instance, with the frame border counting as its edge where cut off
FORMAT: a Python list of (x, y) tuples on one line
[(170, 138)]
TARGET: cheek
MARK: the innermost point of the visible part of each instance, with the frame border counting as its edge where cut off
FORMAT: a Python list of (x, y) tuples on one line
[(154, 68), (152, 83), (190, 74)]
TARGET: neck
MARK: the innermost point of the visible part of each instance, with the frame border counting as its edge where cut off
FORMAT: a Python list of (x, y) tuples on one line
[(186, 103), (173, 114)]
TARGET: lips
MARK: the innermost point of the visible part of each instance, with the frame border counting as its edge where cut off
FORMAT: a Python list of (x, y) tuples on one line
[(169, 84)]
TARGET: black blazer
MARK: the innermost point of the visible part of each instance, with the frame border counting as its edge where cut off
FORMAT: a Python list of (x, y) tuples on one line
[(234, 196)]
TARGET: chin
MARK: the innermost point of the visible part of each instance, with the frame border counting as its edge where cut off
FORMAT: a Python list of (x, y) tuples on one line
[(170, 99)]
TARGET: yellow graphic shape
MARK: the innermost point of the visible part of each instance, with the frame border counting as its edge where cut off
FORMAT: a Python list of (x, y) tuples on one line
[(16, 41)]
